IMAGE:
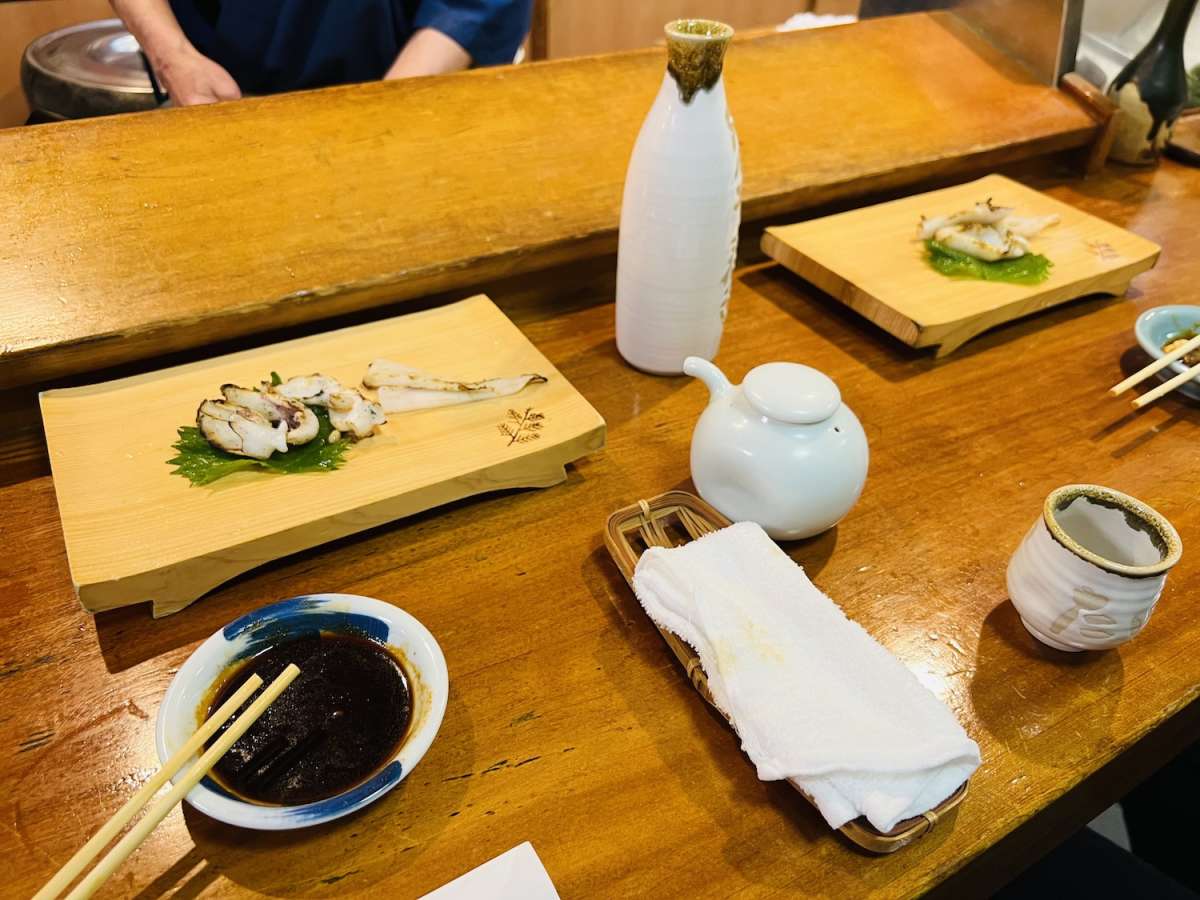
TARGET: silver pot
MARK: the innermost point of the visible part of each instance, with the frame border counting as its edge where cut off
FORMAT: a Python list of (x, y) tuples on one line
[(91, 69)]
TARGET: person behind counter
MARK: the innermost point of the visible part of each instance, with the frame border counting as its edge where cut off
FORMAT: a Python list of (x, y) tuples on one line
[(208, 50)]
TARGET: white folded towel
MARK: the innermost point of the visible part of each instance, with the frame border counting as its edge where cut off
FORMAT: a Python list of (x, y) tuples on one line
[(813, 697)]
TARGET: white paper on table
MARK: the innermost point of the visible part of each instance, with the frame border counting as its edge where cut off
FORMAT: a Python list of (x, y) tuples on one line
[(517, 874)]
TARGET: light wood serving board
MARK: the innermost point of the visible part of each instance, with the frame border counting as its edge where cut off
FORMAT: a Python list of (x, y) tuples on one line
[(871, 260), (136, 532)]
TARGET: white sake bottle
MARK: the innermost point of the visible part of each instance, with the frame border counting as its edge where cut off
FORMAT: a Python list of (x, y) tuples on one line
[(681, 210)]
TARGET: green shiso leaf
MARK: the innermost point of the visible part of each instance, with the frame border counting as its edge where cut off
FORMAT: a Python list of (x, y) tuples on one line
[(201, 463), (1032, 268)]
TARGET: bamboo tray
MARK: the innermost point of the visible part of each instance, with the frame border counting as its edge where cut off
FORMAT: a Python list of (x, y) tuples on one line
[(870, 260), (135, 532), (675, 518)]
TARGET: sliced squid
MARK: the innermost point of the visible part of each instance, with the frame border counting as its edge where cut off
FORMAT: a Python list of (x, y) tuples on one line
[(315, 390), (985, 231), (352, 413), (985, 213), (302, 423), (984, 242), (349, 411), (1029, 226), (240, 430), (385, 372), (403, 388)]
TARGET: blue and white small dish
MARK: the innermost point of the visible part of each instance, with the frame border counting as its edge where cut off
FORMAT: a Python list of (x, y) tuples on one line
[(185, 704), (1155, 327)]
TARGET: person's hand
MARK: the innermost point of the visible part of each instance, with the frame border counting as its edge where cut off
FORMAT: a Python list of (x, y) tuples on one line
[(428, 52), (191, 78)]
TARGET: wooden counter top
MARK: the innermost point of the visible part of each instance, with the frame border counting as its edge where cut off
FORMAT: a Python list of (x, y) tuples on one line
[(129, 237), (570, 724)]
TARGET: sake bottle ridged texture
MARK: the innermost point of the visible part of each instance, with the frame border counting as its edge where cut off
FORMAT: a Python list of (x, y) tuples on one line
[(681, 210)]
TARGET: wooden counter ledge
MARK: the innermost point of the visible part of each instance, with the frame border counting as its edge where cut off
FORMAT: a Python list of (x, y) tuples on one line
[(129, 237), (570, 724)]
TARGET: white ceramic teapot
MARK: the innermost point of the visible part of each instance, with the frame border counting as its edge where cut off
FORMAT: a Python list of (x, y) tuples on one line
[(781, 449)]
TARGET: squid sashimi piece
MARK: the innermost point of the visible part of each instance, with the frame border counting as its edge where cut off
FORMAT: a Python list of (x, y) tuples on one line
[(302, 424), (403, 388), (383, 372), (349, 411), (315, 390), (240, 430), (352, 413), (396, 399), (1028, 226), (986, 242), (985, 213), (985, 231)]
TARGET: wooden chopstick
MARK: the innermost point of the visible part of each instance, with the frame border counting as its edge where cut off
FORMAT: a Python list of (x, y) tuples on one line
[(167, 802), (1158, 365), (77, 863), (1167, 386)]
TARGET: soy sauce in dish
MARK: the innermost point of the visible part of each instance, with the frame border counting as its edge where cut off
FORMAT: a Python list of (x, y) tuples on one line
[(331, 729)]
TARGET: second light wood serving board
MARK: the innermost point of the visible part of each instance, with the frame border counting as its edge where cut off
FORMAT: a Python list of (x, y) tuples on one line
[(136, 532), (871, 260)]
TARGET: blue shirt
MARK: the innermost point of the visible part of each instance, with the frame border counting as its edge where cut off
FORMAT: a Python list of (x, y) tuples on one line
[(285, 45)]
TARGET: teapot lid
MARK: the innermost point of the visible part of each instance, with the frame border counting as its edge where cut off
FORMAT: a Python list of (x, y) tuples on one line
[(792, 393)]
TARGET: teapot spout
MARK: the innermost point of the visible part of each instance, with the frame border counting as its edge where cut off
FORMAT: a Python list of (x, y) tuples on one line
[(714, 379)]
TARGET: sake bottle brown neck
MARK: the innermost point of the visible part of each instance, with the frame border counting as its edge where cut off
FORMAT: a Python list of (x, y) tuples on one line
[(696, 54)]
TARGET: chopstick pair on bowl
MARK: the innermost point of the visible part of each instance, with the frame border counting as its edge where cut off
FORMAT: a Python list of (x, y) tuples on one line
[(1157, 366), (156, 813)]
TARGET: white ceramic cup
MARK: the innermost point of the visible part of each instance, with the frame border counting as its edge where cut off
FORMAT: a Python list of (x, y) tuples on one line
[(1089, 571)]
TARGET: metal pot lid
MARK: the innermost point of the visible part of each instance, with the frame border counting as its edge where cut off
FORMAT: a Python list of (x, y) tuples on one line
[(100, 54)]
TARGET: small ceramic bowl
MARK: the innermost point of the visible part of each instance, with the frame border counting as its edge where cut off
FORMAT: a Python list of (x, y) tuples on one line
[(1088, 573), (1155, 326), (183, 708)]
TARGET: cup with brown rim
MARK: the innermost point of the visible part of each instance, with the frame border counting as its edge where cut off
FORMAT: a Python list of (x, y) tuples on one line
[(1088, 573)]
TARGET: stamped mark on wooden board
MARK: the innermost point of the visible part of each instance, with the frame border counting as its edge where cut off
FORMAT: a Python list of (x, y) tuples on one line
[(522, 427), (1103, 249)]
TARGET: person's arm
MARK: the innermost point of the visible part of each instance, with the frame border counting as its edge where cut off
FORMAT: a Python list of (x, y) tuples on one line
[(188, 76), (454, 34), (429, 52)]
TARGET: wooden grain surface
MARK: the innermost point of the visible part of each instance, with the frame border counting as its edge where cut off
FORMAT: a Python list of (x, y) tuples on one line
[(571, 725), (872, 260), (1185, 139), (573, 28), (143, 533), (133, 236)]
